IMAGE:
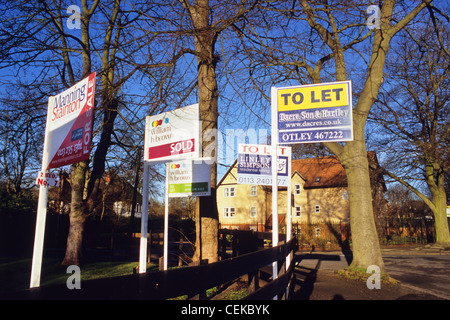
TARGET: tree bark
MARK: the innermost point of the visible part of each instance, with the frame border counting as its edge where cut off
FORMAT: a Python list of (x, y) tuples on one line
[(207, 218)]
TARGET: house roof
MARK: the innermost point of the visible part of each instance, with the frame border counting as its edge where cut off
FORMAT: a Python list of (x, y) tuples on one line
[(323, 172), (320, 172)]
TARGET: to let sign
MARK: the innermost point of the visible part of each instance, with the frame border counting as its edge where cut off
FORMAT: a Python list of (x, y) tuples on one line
[(254, 165), (314, 113)]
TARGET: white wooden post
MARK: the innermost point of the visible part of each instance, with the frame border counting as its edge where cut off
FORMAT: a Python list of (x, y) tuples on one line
[(166, 219), (274, 143)]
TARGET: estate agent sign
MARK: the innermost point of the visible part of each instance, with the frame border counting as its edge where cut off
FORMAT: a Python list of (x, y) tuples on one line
[(254, 165), (69, 124), (189, 178), (172, 135), (314, 113), (68, 136)]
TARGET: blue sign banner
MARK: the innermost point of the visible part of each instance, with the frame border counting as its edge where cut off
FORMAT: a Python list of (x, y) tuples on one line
[(314, 113)]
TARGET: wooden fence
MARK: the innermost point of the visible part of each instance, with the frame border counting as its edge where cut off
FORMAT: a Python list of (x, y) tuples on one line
[(191, 281)]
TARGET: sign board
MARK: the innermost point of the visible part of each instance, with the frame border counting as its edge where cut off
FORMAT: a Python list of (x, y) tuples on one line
[(189, 178), (255, 165), (314, 113), (47, 179), (173, 135), (69, 124), (68, 136)]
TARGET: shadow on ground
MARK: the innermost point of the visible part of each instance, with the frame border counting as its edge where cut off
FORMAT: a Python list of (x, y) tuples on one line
[(305, 277), (311, 282)]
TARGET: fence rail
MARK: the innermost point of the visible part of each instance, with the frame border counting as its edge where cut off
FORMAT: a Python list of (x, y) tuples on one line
[(192, 281)]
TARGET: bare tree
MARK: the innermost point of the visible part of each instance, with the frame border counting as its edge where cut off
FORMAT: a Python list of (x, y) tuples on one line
[(207, 19), (412, 114), (108, 37), (21, 119), (318, 40)]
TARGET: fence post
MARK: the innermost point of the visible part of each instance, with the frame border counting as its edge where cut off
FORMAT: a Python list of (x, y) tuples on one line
[(180, 249), (253, 281), (149, 246), (201, 295)]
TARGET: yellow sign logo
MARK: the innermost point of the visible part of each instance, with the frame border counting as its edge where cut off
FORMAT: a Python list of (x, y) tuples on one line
[(315, 96)]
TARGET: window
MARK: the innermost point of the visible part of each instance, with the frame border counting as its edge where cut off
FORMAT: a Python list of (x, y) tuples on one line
[(228, 212), (316, 208), (253, 191), (252, 212), (345, 195), (317, 232), (229, 192), (298, 211), (297, 189)]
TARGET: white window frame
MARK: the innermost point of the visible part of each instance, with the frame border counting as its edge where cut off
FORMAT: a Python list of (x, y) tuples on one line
[(229, 192), (229, 212), (298, 213), (344, 194), (317, 208), (317, 232), (255, 214), (297, 189), (253, 191)]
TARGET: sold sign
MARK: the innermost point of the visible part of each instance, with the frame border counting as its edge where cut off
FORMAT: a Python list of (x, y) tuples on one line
[(173, 135)]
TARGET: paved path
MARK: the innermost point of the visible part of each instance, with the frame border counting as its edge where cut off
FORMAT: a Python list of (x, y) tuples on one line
[(419, 267)]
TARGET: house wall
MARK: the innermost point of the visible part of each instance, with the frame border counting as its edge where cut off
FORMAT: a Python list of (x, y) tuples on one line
[(333, 204), (240, 197)]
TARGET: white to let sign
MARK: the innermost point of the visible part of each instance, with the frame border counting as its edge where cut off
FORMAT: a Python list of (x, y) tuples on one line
[(173, 135), (69, 124), (189, 178), (314, 113), (47, 179), (255, 165)]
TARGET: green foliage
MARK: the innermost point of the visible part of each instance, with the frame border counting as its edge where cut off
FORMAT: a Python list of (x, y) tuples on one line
[(23, 202), (15, 274), (360, 274)]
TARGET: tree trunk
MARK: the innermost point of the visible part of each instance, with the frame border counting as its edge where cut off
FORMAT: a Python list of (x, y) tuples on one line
[(207, 244), (366, 248), (440, 211), (74, 254)]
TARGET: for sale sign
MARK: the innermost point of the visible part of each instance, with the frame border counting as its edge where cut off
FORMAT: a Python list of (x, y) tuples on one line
[(314, 113), (69, 124), (189, 178), (254, 165), (173, 135)]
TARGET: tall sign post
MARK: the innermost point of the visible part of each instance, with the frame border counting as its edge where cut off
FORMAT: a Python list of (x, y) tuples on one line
[(68, 135), (169, 136), (254, 166), (308, 114)]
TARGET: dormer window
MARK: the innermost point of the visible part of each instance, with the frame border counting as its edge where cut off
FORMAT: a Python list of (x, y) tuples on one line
[(317, 179)]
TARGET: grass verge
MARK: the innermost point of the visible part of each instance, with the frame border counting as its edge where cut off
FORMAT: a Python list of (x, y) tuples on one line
[(15, 274)]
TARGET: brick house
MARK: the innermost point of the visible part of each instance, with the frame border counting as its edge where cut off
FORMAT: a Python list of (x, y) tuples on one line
[(319, 200)]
